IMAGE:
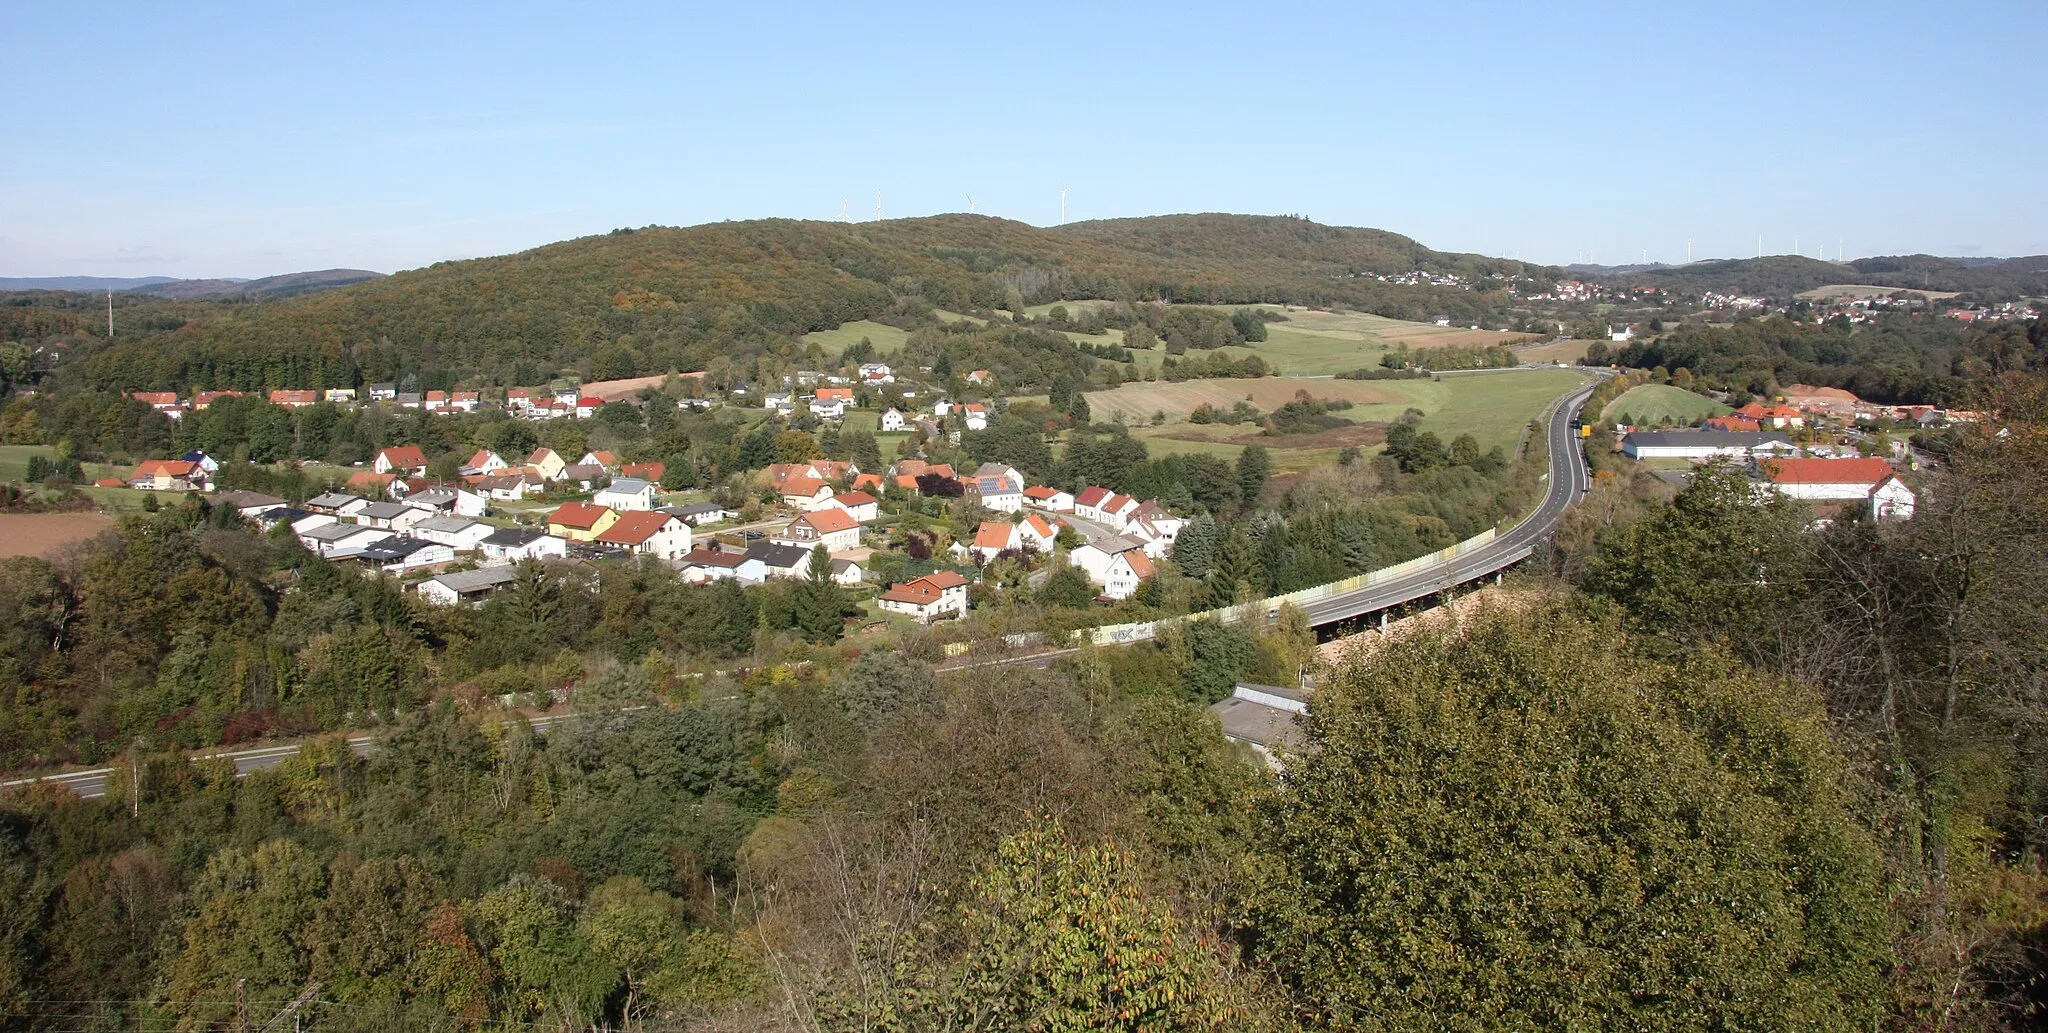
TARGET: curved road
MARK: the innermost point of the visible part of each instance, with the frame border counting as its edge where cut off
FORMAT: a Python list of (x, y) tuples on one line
[(1567, 483)]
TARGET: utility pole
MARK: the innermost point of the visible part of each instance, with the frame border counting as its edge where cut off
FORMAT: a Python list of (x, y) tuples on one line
[(291, 1010)]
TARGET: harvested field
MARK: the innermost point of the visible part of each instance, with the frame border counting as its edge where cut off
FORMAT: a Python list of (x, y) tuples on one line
[(43, 534), (619, 390), (1865, 290), (1554, 351), (1139, 401), (1357, 434)]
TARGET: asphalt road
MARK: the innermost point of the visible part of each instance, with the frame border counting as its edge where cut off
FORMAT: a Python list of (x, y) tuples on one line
[(1567, 481), (91, 783)]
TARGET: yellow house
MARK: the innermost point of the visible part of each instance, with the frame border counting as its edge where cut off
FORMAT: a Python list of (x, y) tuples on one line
[(580, 521), (545, 462)]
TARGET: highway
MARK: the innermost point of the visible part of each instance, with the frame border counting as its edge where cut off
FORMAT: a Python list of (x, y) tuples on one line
[(1567, 481), (91, 783)]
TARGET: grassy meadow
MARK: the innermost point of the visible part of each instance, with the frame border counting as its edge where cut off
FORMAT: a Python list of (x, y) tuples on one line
[(1654, 403)]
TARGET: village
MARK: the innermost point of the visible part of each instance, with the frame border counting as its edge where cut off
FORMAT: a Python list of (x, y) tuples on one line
[(456, 540)]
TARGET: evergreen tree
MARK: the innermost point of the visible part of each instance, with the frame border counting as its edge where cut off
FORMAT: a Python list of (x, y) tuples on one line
[(819, 606), (1237, 571), (1254, 467), (1077, 410), (1067, 586), (1194, 551)]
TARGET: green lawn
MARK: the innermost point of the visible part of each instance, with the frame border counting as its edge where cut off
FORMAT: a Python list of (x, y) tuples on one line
[(14, 466), (887, 339), (1492, 407), (1653, 403)]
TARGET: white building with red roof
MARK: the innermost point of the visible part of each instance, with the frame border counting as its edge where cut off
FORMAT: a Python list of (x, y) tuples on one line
[(1867, 479), (835, 529), (928, 598)]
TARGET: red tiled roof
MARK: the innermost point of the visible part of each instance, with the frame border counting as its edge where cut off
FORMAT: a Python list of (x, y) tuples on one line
[(1141, 564), (404, 457), (941, 579), (1868, 471), (1040, 492), (634, 527), (580, 515), (1092, 496), (868, 480), (708, 557), (854, 498), (838, 394), (993, 534), (916, 593), (651, 471), (805, 486), (828, 520), (164, 468)]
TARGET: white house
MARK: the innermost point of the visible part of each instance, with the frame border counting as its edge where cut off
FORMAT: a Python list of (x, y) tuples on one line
[(465, 585), (1088, 504), (511, 487), (942, 407), (327, 538), (976, 415), (710, 564), (1052, 500), (993, 537), (928, 598), (776, 559), (833, 528), (806, 493), (697, 514), (459, 533), (1117, 564), (512, 544), (403, 460), (459, 501), (396, 516), (1845, 480), (626, 494), (828, 408), (893, 421), (395, 555), (647, 533), (859, 505), (1036, 533), (1706, 444), (1126, 572), (848, 573)]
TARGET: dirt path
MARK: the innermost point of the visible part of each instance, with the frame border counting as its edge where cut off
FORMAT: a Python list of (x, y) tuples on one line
[(42, 534)]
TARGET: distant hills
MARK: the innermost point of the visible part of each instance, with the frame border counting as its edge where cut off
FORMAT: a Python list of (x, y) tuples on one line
[(288, 285), (80, 283), (1780, 275)]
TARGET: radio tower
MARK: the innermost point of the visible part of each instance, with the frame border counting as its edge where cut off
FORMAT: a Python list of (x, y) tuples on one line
[(110, 315)]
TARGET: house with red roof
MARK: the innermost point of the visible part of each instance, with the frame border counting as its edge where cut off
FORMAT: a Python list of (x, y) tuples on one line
[(1866, 480), (835, 529), (201, 400), (168, 475), (1036, 532), (587, 406), (403, 460), (647, 533), (1038, 496), (581, 521), (1777, 417), (992, 538), (859, 505), (645, 471), (294, 399), (1736, 423), (166, 402), (928, 598), (805, 492)]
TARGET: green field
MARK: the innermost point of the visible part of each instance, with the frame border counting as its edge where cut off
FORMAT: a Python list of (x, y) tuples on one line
[(1492, 407), (888, 340), (14, 466), (1653, 403)]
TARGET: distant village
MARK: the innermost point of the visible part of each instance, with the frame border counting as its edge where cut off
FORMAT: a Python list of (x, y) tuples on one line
[(460, 539)]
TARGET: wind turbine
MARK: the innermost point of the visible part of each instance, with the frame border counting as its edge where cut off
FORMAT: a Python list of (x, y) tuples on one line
[(1063, 206), (970, 204), (843, 217), (878, 204)]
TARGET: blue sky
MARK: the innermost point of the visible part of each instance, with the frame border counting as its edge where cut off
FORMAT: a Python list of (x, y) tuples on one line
[(199, 140)]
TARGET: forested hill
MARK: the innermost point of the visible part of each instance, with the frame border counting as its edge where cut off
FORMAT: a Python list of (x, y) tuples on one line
[(681, 297), (1780, 275)]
